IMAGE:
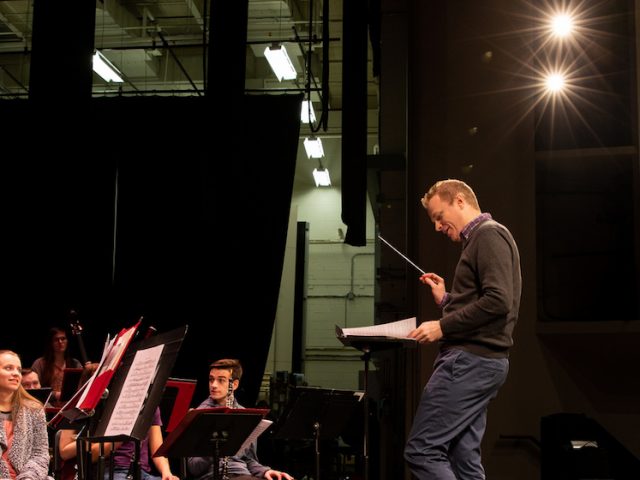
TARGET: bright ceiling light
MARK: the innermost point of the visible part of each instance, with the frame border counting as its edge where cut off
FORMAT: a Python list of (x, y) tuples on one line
[(280, 62), (313, 147), (554, 82), (307, 114), (321, 176), (561, 25), (103, 67)]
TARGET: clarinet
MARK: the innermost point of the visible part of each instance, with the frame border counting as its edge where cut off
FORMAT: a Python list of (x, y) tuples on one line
[(229, 404), (230, 398)]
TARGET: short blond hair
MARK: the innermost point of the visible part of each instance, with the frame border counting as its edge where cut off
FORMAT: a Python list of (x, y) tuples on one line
[(447, 191)]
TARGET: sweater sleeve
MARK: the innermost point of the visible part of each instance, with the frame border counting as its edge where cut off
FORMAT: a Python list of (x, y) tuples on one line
[(250, 457)]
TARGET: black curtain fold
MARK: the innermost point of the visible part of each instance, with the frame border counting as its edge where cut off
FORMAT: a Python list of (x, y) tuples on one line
[(200, 223), (75, 63), (354, 123)]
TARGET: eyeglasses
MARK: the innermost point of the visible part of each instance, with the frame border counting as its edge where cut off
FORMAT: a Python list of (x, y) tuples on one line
[(60, 339)]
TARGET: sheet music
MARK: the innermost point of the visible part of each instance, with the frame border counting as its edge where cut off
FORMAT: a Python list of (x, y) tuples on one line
[(398, 329), (260, 428), (134, 391)]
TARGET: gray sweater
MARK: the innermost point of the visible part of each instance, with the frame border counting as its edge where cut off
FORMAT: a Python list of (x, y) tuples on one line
[(485, 296), (29, 452)]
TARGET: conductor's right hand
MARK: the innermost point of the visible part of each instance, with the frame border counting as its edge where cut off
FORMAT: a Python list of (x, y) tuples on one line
[(436, 283)]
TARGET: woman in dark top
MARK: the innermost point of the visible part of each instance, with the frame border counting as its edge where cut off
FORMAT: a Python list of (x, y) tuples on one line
[(56, 358)]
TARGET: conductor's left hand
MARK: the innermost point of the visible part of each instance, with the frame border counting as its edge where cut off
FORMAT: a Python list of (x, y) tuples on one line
[(276, 475), (427, 332)]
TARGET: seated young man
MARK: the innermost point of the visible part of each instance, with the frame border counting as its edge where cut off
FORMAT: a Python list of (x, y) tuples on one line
[(224, 379)]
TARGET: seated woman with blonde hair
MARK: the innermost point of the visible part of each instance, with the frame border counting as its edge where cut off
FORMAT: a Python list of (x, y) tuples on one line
[(24, 444)]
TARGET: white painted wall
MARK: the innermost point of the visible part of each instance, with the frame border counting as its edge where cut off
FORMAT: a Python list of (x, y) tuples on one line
[(340, 290)]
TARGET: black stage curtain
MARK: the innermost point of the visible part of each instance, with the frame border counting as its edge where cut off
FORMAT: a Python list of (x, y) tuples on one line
[(354, 123), (76, 62), (175, 212)]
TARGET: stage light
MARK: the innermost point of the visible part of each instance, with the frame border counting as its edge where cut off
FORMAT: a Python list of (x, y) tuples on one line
[(561, 25), (554, 82)]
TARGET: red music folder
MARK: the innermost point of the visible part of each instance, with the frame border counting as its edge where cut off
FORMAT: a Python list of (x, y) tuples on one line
[(176, 401), (87, 397)]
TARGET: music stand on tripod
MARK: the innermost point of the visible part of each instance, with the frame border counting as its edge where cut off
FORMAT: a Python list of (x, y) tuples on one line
[(212, 432), (316, 413), (367, 345)]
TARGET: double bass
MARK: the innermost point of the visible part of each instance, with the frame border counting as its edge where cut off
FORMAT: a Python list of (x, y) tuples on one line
[(76, 330)]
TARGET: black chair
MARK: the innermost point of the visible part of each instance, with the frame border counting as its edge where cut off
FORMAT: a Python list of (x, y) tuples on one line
[(62, 469), (58, 463)]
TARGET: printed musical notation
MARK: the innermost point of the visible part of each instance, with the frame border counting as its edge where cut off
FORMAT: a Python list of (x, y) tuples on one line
[(134, 391)]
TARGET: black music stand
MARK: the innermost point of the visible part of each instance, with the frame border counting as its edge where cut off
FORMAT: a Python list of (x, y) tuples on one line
[(43, 394), (211, 432), (70, 383), (316, 413), (98, 432), (367, 345)]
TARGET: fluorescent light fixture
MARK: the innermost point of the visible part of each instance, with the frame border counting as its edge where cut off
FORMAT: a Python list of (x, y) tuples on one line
[(313, 147), (321, 176), (103, 67), (578, 444), (280, 62), (307, 115)]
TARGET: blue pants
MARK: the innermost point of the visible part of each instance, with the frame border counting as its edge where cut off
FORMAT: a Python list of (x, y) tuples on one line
[(444, 443), (119, 474)]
